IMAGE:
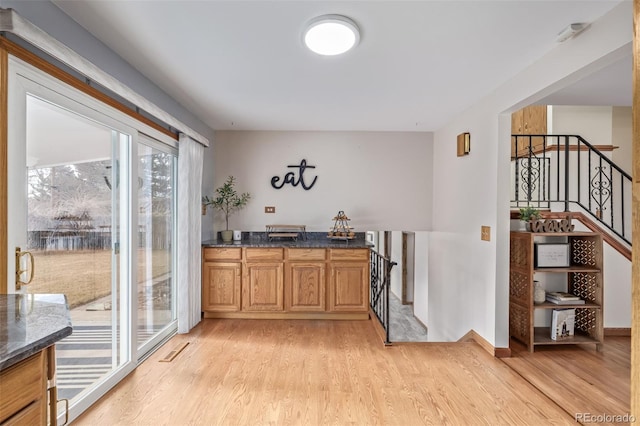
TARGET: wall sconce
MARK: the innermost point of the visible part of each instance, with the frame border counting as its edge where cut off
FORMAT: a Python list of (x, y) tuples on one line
[(464, 144)]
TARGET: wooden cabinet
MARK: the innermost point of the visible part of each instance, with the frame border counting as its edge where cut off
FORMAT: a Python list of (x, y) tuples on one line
[(221, 279), (304, 281), (24, 392), (263, 279), (221, 285), (349, 280), (262, 287), (277, 282), (531, 120), (305, 287), (583, 278)]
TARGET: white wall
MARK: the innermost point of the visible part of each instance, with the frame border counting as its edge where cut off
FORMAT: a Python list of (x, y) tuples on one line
[(617, 289), (421, 280), (622, 137), (396, 256), (382, 180), (593, 123), (468, 278)]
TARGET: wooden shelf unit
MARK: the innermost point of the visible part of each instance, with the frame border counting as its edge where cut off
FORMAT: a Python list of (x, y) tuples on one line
[(583, 279)]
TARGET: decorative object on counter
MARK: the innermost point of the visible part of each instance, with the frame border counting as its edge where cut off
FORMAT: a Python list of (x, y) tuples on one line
[(528, 214), (290, 177), (539, 295), (286, 231), (228, 201), (237, 235), (551, 225), (341, 229), (463, 144)]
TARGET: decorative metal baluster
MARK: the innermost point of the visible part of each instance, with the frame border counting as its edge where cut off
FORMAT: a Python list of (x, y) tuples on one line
[(380, 271)]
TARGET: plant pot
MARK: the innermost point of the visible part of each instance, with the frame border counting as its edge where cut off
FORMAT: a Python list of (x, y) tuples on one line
[(227, 236)]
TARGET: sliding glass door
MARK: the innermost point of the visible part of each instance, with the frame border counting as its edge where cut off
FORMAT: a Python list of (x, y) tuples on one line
[(93, 198), (155, 255), (76, 192)]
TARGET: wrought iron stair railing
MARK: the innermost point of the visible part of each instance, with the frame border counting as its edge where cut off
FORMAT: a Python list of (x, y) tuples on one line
[(565, 173), (380, 271)]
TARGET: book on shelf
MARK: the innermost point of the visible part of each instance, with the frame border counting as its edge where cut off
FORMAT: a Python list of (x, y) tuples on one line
[(562, 323), (565, 302), (561, 295)]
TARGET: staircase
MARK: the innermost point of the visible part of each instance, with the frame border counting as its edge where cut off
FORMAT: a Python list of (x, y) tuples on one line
[(565, 173)]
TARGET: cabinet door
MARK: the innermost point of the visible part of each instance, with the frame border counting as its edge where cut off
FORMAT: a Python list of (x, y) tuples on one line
[(517, 119), (305, 287), (535, 123), (535, 120), (349, 287), (531, 120), (221, 286), (23, 389), (262, 287)]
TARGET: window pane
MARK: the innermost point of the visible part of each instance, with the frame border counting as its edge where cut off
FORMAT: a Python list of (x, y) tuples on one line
[(155, 231), (73, 199)]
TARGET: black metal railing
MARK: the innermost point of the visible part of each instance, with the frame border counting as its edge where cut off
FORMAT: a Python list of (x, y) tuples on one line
[(380, 269), (560, 172)]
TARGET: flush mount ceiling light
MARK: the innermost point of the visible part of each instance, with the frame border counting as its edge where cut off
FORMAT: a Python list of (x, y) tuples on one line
[(331, 35)]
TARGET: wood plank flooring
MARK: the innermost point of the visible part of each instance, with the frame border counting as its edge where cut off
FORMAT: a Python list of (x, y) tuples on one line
[(579, 378), (304, 372)]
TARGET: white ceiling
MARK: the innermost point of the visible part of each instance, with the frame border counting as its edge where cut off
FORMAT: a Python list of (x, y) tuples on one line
[(241, 64)]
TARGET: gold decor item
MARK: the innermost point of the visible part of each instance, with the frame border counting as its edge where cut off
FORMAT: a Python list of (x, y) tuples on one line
[(341, 229)]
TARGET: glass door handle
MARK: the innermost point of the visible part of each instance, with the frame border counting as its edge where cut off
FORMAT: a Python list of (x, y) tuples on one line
[(19, 271)]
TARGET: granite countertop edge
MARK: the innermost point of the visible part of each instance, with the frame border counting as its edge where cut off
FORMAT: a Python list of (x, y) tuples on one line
[(21, 354), (349, 244), (304, 240), (31, 323)]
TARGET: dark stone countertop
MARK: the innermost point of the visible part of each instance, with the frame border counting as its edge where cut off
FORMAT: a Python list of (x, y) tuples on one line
[(30, 323), (313, 240)]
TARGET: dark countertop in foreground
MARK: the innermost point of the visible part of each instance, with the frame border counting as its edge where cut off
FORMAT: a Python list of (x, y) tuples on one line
[(313, 240), (30, 323)]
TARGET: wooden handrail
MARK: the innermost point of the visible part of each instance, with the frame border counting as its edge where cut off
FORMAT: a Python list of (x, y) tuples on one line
[(586, 221)]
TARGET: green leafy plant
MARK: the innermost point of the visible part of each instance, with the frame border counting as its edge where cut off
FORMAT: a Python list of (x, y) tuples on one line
[(227, 199), (528, 213)]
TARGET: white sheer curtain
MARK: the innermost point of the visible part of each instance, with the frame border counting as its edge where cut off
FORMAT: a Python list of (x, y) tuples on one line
[(190, 159)]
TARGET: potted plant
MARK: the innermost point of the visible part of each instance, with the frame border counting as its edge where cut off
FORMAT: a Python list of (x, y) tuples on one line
[(228, 201), (527, 214)]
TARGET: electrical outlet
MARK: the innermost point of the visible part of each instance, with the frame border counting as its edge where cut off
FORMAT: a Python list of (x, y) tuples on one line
[(485, 233), (269, 209)]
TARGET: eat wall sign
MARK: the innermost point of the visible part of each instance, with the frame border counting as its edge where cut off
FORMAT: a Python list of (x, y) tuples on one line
[(295, 179)]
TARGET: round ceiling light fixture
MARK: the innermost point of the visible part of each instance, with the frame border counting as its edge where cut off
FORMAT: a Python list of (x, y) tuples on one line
[(331, 35)]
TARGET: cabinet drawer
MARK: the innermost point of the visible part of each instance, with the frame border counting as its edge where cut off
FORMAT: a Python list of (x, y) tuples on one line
[(265, 253), (349, 254), (21, 384), (306, 254), (222, 253), (34, 414)]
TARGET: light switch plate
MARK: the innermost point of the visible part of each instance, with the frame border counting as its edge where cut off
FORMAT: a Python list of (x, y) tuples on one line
[(269, 209), (485, 233)]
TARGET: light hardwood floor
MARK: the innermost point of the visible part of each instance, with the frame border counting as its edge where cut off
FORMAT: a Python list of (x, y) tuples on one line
[(579, 378), (300, 372)]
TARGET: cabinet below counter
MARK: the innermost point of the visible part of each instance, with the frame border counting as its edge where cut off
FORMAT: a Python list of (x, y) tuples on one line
[(31, 325), (285, 282)]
